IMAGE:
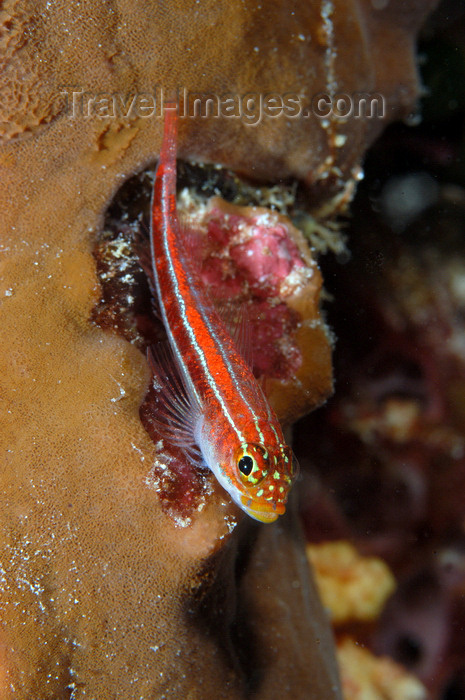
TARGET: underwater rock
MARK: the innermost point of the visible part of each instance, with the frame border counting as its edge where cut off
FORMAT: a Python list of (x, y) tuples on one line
[(390, 451)]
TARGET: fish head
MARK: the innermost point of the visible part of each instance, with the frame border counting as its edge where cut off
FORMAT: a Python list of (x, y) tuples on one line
[(265, 476), (257, 473), (257, 478)]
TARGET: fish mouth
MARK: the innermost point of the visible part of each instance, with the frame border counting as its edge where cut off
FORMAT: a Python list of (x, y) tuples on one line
[(263, 512)]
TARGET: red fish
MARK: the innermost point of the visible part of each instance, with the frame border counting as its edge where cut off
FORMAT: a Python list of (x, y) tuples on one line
[(212, 405)]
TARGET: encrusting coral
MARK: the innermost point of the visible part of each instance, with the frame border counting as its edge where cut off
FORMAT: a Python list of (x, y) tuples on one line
[(101, 595)]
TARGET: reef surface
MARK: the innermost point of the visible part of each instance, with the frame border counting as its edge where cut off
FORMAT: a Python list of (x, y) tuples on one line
[(102, 596)]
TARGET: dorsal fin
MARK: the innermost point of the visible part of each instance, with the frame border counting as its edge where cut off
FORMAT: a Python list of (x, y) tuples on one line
[(237, 321)]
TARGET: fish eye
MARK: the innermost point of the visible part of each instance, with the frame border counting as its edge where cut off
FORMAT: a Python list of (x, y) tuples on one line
[(245, 465), (252, 463)]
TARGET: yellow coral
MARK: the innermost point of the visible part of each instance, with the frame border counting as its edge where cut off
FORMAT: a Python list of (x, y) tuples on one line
[(367, 677), (352, 587)]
